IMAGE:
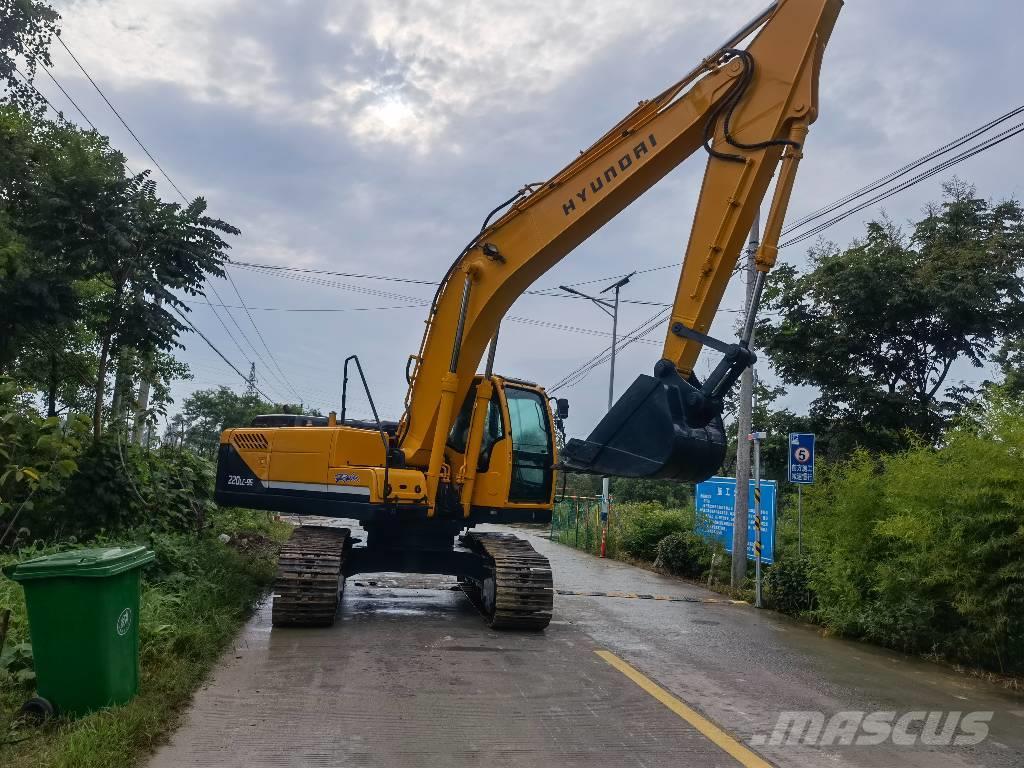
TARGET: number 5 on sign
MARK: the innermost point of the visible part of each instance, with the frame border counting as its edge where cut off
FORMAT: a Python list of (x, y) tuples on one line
[(801, 458)]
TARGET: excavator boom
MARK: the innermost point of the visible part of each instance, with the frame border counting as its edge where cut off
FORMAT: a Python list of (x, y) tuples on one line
[(748, 107)]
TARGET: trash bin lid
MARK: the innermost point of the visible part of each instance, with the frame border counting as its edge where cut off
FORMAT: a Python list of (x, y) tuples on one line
[(94, 562)]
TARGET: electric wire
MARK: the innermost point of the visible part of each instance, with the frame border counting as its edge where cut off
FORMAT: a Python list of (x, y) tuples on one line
[(113, 109), (903, 170), (280, 375), (280, 271), (184, 198), (977, 149), (68, 97), (579, 373), (220, 354)]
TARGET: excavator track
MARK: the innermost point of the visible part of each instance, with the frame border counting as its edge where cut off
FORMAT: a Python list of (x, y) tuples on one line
[(519, 591), (309, 577)]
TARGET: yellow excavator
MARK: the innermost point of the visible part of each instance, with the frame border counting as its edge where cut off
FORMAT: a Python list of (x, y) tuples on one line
[(480, 448)]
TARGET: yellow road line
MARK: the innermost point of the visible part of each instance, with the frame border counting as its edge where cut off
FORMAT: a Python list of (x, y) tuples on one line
[(709, 730)]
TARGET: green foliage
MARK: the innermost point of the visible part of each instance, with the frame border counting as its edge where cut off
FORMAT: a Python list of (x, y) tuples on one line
[(121, 486), (787, 585), (777, 423), (37, 456), (644, 525), (26, 28), (207, 412), (685, 554), (876, 327), (665, 492), (924, 550), (194, 598)]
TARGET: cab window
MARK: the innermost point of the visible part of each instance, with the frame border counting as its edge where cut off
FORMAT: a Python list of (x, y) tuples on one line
[(494, 429), (532, 452)]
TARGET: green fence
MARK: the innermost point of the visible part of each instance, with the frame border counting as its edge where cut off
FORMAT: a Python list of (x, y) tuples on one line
[(576, 521)]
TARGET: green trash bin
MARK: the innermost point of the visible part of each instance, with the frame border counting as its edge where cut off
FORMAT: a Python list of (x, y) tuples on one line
[(83, 616)]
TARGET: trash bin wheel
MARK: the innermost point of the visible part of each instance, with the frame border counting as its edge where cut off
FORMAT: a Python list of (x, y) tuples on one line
[(37, 710)]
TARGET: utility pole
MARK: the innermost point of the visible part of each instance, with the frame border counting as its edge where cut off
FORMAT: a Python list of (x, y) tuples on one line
[(141, 430), (604, 305), (743, 428), (757, 438)]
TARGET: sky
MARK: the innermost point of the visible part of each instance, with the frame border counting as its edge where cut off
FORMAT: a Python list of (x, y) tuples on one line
[(373, 136)]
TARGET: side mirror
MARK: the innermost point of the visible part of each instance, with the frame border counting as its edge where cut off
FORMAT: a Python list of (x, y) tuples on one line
[(562, 407)]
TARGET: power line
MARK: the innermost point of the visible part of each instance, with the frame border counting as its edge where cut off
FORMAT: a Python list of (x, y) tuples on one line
[(357, 275), (220, 354), (262, 340), (60, 39), (245, 337), (510, 318), (304, 276), (578, 374), (902, 171), (313, 309), (68, 97), (977, 149), (187, 202)]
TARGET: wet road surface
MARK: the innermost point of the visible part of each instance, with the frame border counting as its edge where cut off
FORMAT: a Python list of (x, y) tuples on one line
[(411, 676)]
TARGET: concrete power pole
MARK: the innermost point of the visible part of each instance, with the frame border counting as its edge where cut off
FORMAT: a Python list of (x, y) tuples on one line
[(744, 427), (141, 430)]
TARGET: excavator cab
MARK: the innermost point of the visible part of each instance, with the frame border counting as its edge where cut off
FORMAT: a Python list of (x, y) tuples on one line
[(517, 448)]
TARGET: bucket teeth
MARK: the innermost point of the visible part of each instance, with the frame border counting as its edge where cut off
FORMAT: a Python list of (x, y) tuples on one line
[(309, 577)]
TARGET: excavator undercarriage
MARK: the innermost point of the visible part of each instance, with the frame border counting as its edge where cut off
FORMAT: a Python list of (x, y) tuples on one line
[(504, 577)]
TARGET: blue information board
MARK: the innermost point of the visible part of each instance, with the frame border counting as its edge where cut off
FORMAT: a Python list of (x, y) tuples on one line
[(801, 458), (716, 513)]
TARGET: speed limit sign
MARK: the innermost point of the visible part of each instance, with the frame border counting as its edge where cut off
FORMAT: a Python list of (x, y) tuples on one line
[(801, 458)]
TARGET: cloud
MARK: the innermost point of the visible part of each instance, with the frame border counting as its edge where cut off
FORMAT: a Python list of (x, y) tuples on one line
[(401, 72), (374, 136)]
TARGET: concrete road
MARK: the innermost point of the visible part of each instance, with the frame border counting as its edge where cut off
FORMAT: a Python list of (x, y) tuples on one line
[(411, 676)]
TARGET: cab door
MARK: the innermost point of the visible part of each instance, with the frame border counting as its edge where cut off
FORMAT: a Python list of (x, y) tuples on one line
[(529, 424)]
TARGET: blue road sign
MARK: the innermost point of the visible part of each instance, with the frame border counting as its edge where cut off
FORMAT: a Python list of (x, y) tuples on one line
[(801, 458), (716, 513)]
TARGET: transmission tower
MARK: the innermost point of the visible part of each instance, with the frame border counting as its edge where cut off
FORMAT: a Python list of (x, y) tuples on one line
[(250, 381)]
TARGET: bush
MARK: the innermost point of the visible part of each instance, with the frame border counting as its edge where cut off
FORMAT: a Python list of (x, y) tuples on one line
[(787, 585), (644, 525), (924, 550), (684, 554), (194, 598), (120, 486)]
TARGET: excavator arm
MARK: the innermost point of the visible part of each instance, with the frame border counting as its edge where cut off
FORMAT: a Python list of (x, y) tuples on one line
[(750, 109)]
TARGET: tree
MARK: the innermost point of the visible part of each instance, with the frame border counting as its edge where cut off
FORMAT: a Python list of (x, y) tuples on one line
[(207, 412), (877, 327), (26, 29), (151, 250), (776, 422)]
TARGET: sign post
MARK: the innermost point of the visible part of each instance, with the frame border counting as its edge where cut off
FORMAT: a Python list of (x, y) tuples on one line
[(801, 473), (757, 437)]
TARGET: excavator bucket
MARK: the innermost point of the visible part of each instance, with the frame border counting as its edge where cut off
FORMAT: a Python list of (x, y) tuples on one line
[(662, 427)]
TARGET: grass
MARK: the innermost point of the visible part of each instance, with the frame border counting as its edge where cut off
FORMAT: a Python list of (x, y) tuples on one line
[(195, 597)]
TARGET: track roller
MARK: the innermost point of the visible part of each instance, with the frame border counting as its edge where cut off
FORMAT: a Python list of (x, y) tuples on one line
[(518, 590), (309, 577)]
